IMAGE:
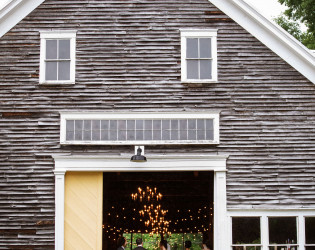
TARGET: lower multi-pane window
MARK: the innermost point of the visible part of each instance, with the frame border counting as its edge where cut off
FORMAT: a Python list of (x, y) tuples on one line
[(282, 233), (242, 237), (309, 233)]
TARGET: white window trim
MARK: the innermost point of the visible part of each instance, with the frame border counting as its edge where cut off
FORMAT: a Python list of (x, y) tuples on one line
[(58, 34), (184, 162), (300, 215), (199, 33), (64, 116)]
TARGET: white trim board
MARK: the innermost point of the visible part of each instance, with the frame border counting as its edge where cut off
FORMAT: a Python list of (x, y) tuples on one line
[(14, 12), (121, 163)]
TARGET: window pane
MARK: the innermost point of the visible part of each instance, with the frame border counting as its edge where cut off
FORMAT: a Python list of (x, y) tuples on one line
[(166, 135), (148, 129), (64, 49), (282, 230), (122, 126), (131, 130), (51, 70), (183, 129), (104, 130), (157, 129), (205, 47), (70, 130), (192, 48), (139, 129), (78, 130), (241, 233), (96, 129), (87, 135), (51, 49), (310, 230), (192, 69), (64, 70), (113, 130), (205, 69)]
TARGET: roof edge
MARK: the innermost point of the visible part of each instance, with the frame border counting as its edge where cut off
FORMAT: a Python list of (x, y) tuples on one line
[(14, 12), (270, 34)]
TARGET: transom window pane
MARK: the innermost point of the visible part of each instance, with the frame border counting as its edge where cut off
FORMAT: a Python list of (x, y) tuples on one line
[(157, 131), (57, 59), (198, 58)]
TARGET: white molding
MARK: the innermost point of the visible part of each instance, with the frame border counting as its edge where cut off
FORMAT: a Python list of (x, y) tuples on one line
[(199, 33), (64, 116), (274, 37), (59, 208), (57, 34), (14, 12), (220, 219), (101, 163)]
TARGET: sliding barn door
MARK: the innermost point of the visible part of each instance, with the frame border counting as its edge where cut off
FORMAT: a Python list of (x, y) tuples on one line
[(83, 210)]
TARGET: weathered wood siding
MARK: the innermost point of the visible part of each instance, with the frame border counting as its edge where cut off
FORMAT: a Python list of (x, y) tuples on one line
[(128, 58)]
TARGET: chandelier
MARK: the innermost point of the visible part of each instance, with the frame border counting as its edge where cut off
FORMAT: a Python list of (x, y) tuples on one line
[(152, 212)]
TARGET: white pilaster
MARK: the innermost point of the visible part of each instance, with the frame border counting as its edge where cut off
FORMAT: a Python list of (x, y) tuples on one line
[(264, 232), (59, 209), (301, 232), (221, 229)]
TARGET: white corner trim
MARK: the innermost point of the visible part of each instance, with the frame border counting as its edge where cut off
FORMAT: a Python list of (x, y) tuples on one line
[(14, 12), (274, 37)]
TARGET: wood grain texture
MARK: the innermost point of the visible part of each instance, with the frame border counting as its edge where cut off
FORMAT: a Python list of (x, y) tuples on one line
[(83, 210), (128, 59)]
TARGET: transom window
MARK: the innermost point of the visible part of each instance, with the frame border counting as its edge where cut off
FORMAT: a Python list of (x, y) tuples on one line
[(199, 55), (136, 128), (57, 57)]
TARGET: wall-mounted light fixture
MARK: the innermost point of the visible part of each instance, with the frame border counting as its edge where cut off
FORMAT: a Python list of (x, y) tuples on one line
[(138, 157)]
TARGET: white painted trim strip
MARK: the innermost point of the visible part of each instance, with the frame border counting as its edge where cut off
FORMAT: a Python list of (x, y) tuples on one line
[(14, 12)]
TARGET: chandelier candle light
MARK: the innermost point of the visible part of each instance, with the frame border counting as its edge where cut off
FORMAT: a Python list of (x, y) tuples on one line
[(152, 210)]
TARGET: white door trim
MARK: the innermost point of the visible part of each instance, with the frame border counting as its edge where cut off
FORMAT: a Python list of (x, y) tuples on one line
[(121, 163)]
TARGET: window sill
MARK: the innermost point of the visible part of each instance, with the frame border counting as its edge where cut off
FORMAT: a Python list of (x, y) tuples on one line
[(199, 81), (57, 83)]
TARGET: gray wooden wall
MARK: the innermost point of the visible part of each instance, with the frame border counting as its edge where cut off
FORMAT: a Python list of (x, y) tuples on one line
[(128, 59)]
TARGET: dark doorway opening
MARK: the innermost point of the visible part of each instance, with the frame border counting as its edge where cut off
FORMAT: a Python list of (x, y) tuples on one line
[(187, 200)]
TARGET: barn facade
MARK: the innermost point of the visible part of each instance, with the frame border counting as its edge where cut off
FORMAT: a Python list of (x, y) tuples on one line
[(220, 101)]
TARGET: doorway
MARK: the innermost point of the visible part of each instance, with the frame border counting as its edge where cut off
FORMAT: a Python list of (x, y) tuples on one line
[(183, 212)]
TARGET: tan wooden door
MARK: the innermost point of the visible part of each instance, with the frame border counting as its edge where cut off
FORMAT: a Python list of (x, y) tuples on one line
[(83, 210)]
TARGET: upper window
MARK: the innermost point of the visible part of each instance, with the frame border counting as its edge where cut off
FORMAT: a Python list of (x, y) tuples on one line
[(199, 56), (140, 128), (57, 57)]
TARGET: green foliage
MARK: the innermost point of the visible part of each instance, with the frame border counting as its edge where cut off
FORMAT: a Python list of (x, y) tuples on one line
[(176, 241), (301, 10), (293, 27)]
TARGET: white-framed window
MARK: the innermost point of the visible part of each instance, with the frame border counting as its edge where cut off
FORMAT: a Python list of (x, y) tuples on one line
[(139, 128), (57, 57), (199, 55), (278, 229)]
